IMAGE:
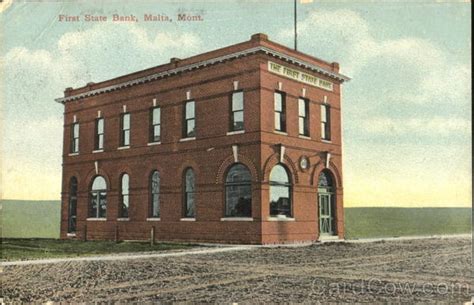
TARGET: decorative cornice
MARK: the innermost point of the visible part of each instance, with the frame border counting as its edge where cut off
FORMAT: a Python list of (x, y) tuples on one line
[(212, 61)]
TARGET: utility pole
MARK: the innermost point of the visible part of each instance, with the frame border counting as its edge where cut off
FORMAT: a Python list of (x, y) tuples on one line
[(296, 29)]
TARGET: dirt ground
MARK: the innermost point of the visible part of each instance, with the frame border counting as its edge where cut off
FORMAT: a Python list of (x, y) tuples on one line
[(424, 270)]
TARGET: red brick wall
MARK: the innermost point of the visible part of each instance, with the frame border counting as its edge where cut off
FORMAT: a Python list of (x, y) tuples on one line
[(209, 155)]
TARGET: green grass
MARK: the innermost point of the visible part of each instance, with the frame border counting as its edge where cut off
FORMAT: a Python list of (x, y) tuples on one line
[(40, 219), (18, 249), (391, 222), (30, 219)]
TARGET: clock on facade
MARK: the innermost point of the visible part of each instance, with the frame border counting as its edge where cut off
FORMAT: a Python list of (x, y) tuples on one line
[(304, 163)]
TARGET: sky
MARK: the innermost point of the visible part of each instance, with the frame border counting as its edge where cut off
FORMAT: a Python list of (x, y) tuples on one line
[(406, 111)]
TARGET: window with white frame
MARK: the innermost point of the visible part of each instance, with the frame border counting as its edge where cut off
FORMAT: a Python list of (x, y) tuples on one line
[(125, 129), (237, 111), (155, 194), (189, 128), (155, 124), (325, 122), (99, 133), (280, 111), (98, 198), (189, 194), (125, 195), (303, 117), (75, 138), (238, 192)]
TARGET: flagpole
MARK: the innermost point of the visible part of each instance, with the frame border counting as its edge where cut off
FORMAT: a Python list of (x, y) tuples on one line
[(296, 31)]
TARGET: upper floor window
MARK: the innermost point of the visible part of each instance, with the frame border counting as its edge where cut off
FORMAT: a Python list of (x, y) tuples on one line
[(125, 129), (280, 111), (303, 117), (75, 138), (125, 196), (155, 124), (189, 191), (325, 122), (189, 130), (155, 194), (99, 133), (237, 111), (98, 198), (238, 192)]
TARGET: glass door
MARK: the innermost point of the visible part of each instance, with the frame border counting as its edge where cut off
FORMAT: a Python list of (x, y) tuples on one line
[(325, 215)]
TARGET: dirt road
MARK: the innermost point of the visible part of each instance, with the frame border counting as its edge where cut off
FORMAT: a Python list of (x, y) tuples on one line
[(399, 271)]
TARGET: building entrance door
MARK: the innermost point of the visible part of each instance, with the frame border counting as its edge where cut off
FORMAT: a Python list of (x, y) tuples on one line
[(326, 218)]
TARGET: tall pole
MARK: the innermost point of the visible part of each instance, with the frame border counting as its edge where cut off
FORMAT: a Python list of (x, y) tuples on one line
[(296, 31)]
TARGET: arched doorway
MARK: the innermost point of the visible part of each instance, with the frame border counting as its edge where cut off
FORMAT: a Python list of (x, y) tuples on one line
[(72, 207), (326, 203)]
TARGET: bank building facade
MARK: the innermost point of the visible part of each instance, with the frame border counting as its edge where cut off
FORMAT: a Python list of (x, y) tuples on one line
[(236, 145)]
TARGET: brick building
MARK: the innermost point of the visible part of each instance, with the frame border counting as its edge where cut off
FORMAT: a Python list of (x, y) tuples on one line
[(238, 145)]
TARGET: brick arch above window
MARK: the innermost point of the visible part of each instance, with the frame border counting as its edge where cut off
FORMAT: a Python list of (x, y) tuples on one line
[(319, 167), (147, 172), (229, 161), (67, 181), (92, 174), (188, 164), (273, 160)]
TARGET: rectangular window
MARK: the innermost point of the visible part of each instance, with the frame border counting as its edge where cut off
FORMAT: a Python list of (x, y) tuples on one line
[(325, 122), (237, 111), (125, 129), (189, 130), (75, 138), (303, 117), (280, 111), (99, 133), (155, 124)]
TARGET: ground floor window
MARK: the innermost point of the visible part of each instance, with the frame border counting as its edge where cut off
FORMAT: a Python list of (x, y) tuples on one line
[(189, 191), (155, 194), (125, 196), (238, 192), (72, 205), (280, 192), (98, 198)]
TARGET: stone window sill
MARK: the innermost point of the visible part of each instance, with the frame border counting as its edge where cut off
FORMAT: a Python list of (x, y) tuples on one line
[(281, 219), (236, 219), (235, 132), (187, 139), (96, 219), (188, 219)]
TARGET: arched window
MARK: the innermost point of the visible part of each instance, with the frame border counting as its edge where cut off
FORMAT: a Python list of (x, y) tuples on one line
[(325, 180), (238, 192), (125, 196), (72, 209), (155, 194), (98, 198), (189, 204), (280, 192)]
